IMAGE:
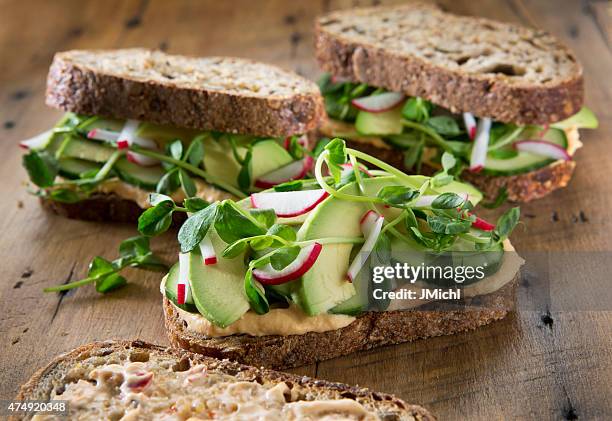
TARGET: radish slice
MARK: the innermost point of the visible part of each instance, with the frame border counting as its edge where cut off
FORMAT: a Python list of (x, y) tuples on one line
[(470, 124), (481, 145), (378, 103), (371, 225), (481, 224), (426, 200), (293, 171), (208, 252), (128, 133), (37, 142), (543, 148), (183, 292), (105, 135), (362, 167), (307, 256), (288, 204)]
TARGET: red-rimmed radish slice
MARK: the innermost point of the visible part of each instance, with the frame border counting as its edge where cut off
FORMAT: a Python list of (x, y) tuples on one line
[(483, 225), (209, 257), (142, 160), (288, 204), (425, 201), (302, 140), (307, 256), (371, 226), (105, 135), (363, 168), (37, 142), (543, 148), (293, 171), (470, 124), (183, 291), (481, 145), (378, 103), (128, 133)]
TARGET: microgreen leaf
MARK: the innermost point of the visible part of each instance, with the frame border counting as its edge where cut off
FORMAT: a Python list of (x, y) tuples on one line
[(255, 293), (397, 196), (282, 231), (447, 201), (294, 148), (234, 249), (157, 198), (417, 109), (410, 221), (506, 223), (233, 224), (134, 247), (320, 146), (289, 186), (195, 151), (41, 167), (336, 157), (266, 217), (176, 149), (284, 256), (449, 226), (110, 283), (414, 154), (196, 227), (244, 176), (169, 182), (99, 266), (444, 125), (156, 219), (194, 204), (187, 183)]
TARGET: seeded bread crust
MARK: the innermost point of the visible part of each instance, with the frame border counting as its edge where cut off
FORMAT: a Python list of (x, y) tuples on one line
[(465, 64), (370, 330), (58, 373), (216, 93)]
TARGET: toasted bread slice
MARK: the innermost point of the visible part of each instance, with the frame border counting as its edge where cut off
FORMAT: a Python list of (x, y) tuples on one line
[(209, 381), (370, 330), (465, 64), (215, 93)]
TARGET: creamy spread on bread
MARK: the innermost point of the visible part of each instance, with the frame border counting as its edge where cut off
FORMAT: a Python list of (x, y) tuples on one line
[(151, 390), (141, 197)]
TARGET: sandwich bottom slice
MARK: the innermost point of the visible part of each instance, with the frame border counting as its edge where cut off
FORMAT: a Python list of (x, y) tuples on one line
[(137, 380)]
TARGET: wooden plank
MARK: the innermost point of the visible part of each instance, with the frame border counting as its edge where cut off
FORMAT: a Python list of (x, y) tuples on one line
[(545, 363)]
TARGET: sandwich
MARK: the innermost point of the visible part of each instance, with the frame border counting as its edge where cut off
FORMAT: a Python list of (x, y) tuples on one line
[(292, 275), (408, 83), (137, 380), (140, 121)]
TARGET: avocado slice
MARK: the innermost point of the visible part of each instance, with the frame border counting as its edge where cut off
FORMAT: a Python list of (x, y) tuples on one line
[(583, 119), (219, 160), (385, 123), (218, 290)]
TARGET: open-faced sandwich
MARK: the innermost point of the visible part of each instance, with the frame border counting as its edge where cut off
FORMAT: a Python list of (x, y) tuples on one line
[(214, 127), (285, 277), (407, 83), (133, 380)]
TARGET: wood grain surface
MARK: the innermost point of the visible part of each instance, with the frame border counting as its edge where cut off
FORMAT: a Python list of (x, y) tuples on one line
[(543, 363)]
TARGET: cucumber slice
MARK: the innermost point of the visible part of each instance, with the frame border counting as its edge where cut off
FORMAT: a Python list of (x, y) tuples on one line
[(385, 123), (170, 288), (524, 161), (73, 168), (139, 176), (74, 147)]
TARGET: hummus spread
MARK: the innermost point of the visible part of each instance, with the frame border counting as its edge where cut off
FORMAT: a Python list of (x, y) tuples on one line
[(153, 390), (141, 197)]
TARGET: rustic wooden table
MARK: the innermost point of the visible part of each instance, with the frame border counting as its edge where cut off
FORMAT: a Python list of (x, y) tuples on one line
[(535, 365)]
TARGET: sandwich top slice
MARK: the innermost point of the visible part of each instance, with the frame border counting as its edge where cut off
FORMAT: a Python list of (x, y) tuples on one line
[(137, 380), (408, 83), (299, 273), (139, 121)]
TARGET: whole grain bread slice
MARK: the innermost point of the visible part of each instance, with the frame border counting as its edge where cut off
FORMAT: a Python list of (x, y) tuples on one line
[(213, 93), (466, 64), (370, 330), (78, 363)]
